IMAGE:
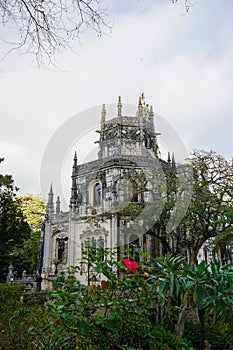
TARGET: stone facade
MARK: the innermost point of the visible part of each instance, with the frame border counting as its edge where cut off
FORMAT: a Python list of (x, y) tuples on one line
[(115, 200), (104, 192)]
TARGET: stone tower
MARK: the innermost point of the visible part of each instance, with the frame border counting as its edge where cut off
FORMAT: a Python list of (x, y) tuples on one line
[(108, 195)]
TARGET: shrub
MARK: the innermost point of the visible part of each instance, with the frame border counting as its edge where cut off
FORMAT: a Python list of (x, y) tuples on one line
[(219, 335), (17, 309)]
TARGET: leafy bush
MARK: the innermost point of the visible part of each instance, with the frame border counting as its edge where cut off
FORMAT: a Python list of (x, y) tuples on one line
[(10, 296), (118, 314), (219, 335), (17, 308), (130, 309)]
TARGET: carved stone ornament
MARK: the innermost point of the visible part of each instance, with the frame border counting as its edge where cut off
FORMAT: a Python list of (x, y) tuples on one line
[(61, 228)]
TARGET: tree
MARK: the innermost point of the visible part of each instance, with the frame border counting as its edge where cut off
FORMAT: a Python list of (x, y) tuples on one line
[(14, 230), (187, 4), (6, 181), (45, 28), (210, 211), (33, 208)]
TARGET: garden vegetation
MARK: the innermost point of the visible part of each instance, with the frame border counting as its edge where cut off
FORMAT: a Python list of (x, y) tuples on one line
[(157, 304)]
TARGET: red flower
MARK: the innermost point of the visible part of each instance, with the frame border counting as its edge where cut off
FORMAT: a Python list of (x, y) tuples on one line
[(130, 265), (104, 285)]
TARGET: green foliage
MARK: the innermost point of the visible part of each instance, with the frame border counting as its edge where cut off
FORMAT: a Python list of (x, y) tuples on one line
[(9, 296), (33, 208), (128, 311), (119, 316), (210, 213), (17, 310), (33, 246), (6, 181), (219, 335), (14, 230)]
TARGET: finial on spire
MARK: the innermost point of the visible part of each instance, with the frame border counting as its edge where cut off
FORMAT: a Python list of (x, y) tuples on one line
[(119, 107), (143, 98)]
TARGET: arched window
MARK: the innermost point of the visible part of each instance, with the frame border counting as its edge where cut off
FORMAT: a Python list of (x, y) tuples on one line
[(62, 249), (97, 194)]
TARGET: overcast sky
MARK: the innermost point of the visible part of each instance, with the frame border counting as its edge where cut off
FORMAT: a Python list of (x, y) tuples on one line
[(183, 63)]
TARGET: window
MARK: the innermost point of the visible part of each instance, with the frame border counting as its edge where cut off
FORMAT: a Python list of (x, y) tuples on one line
[(62, 249), (97, 194)]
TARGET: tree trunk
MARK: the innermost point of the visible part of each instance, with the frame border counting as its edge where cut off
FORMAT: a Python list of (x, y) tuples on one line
[(201, 314), (179, 327)]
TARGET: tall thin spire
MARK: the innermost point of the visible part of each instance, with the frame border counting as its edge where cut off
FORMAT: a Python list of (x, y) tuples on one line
[(151, 114), (74, 168), (58, 206), (50, 204), (168, 158), (73, 198), (140, 109), (50, 195), (119, 107), (173, 162), (103, 116)]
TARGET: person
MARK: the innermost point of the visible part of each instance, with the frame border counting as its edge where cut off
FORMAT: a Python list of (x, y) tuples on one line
[(38, 282)]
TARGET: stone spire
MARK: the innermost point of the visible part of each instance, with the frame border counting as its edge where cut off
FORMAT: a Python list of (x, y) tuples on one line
[(168, 158), (50, 204), (119, 107), (151, 114), (173, 162), (74, 168), (103, 116), (140, 108), (58, 206), (73, 198)]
